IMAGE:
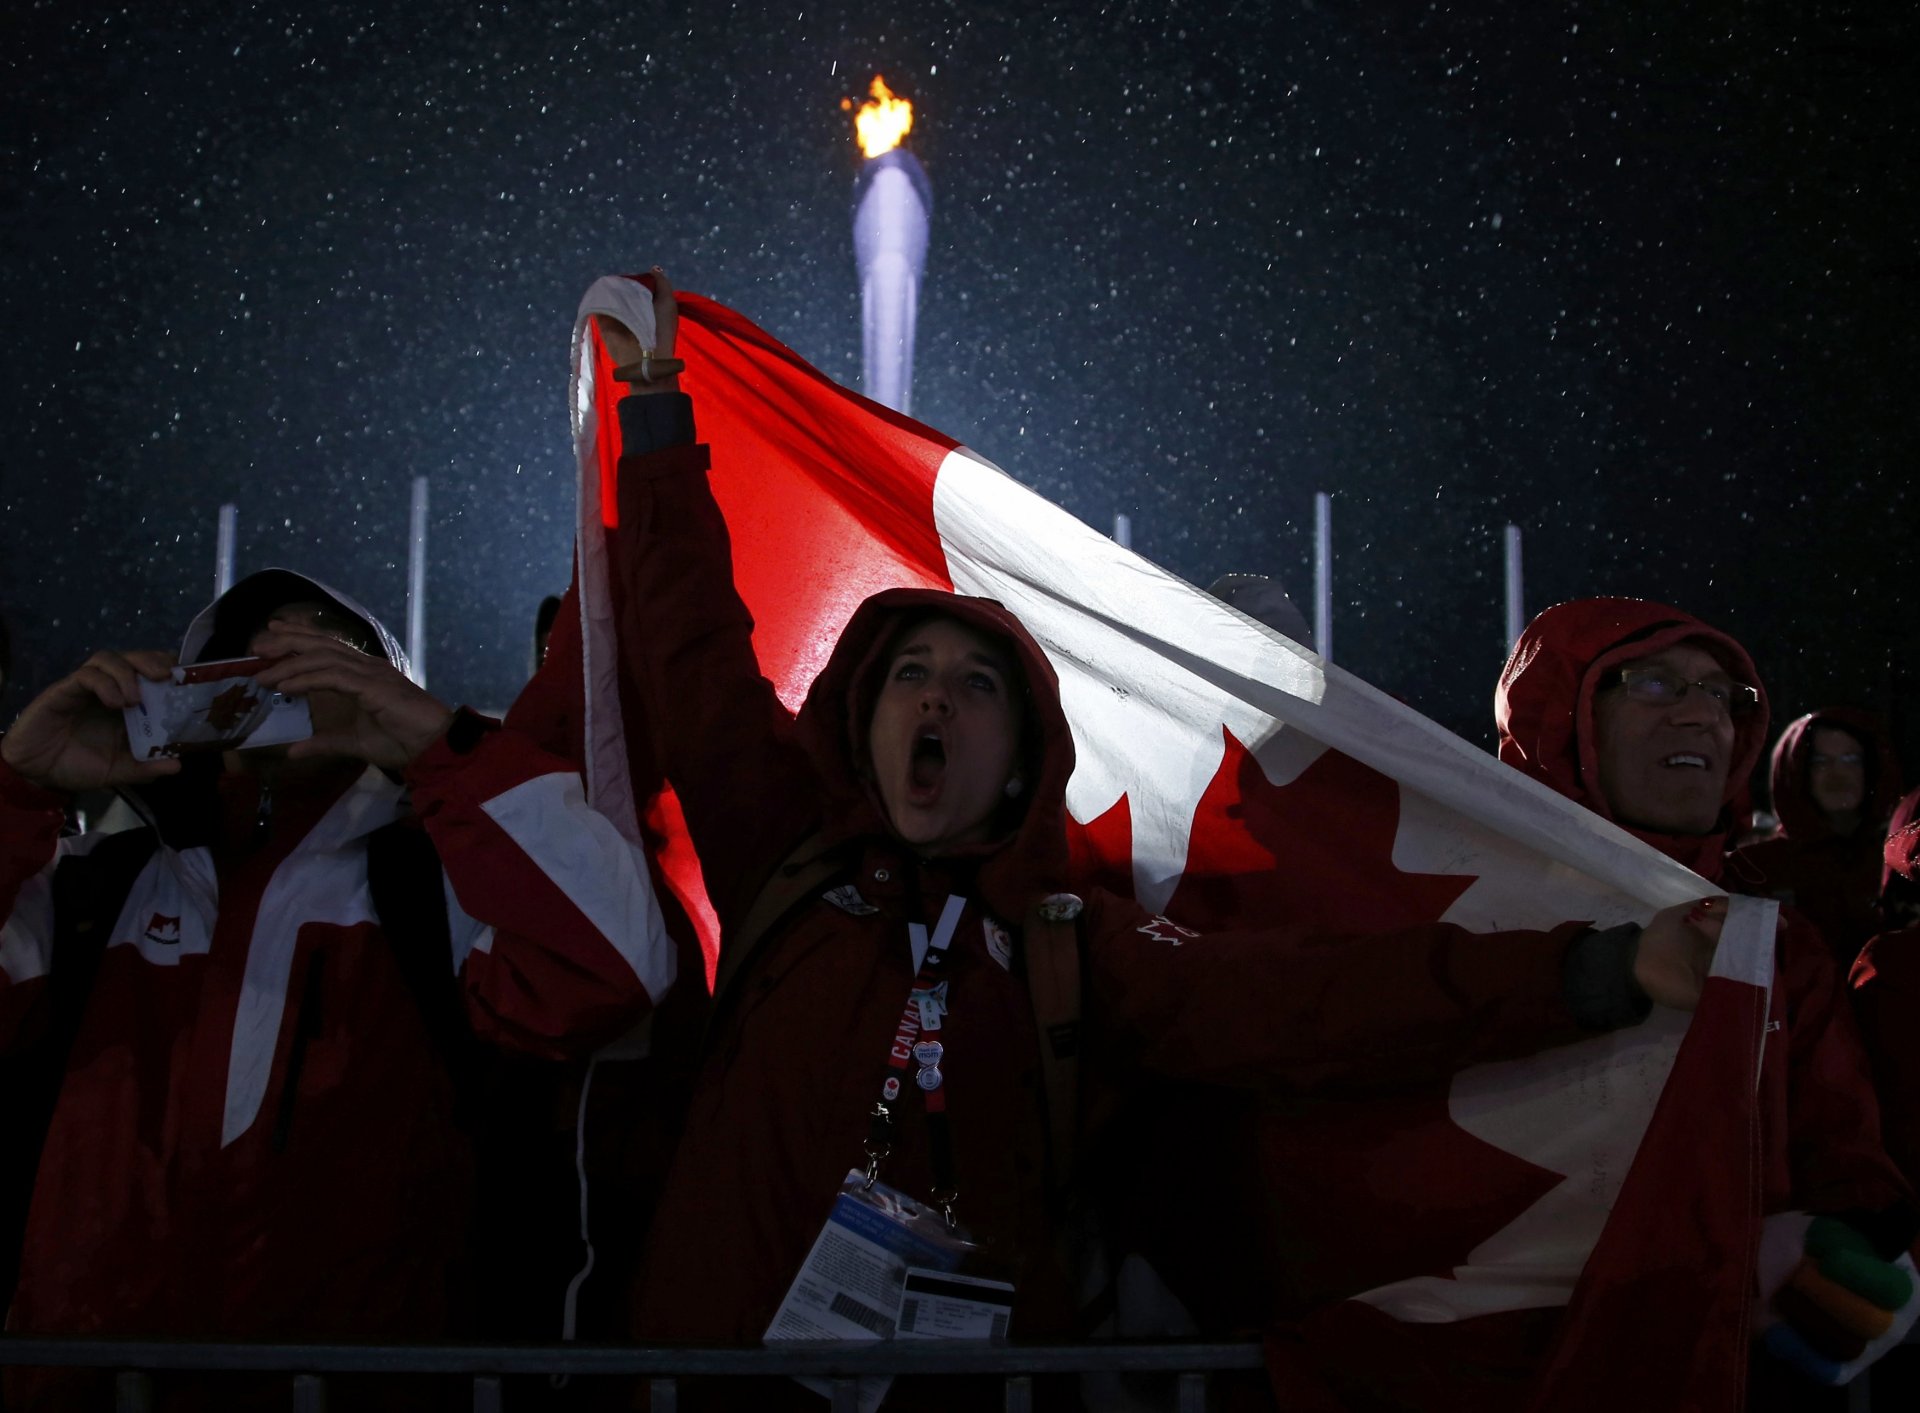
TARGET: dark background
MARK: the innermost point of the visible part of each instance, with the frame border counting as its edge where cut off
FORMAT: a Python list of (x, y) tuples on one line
[(1640, 278)]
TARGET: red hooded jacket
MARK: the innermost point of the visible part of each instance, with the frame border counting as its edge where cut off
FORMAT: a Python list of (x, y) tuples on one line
[(254, 1133), (1544, 707), (800, 1038), (1822, 1149), (1833, 878), (1900, 857), (1886, 993)]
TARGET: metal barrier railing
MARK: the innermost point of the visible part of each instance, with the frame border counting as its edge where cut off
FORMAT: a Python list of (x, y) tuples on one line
[(842, 1364)]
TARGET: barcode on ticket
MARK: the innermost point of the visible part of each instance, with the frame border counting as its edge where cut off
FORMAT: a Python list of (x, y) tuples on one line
[(847, 1308)]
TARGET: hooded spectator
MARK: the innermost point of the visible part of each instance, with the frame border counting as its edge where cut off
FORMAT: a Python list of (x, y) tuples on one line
[(256, 1003), (1835, 780), (1259, 597), (543, 628), (1886, 988), (1654, 720), (1666, 762), (1886, 996), (1899, 888)]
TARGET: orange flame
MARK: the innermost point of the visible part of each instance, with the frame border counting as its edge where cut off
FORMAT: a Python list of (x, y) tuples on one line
[(882, 120)]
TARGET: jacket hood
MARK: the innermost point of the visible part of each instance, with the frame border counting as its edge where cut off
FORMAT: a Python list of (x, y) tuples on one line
[(1024, 864), (1800, 817), (1902, 850), (185, 807), (1544, 707), (222, 629)]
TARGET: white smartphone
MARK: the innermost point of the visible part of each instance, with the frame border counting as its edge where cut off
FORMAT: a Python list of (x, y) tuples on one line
[(213, 706)]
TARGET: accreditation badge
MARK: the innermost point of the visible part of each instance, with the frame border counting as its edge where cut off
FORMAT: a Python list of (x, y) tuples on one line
[(854, 1282)]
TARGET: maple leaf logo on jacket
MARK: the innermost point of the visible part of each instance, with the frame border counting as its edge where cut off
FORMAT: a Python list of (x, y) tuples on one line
[(164, 929)]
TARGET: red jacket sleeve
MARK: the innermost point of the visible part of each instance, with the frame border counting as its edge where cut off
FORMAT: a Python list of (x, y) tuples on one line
[(1835, 1160), (725, 741), (557, 933), (30, 822), (1282, 1009)]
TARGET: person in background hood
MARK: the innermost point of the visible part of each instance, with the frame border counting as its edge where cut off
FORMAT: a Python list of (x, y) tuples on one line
[(1654, 720), (1886, 987), (921, 794), (1899, 888), (1259, 597), (254, 1134), (1835, 780), (543, 619), (1886, 997)]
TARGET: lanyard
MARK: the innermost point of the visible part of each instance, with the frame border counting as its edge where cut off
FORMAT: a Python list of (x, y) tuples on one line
[(917, 1039)]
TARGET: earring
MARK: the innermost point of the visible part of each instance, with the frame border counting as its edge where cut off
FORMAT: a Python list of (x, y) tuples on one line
[(1014, 787)]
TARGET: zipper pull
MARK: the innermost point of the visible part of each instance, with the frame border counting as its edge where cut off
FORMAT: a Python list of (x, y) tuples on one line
[(263, 812)]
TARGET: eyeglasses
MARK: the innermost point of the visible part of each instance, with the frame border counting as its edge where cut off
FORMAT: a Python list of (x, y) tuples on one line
[(1656, 686), (1851, 758)]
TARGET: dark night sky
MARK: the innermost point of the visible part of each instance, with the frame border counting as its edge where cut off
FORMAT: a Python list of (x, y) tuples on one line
[(1641, 278)]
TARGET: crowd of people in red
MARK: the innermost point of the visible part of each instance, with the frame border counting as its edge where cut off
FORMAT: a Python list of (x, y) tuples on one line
[(308, 1052)]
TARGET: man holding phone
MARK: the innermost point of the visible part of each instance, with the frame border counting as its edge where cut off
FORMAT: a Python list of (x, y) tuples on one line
[(254, 1133)]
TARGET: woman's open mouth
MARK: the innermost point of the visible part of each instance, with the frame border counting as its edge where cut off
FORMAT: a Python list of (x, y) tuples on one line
[(926, 767)]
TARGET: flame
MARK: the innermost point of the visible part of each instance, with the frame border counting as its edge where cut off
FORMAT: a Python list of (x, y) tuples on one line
[(882, 120)]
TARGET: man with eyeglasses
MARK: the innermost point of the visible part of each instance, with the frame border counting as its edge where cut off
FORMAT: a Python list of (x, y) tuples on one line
[(1835, 780), (1665, 728), (1654, 720)]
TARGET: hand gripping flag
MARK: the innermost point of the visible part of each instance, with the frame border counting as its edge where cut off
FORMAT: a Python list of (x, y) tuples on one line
[(1226, 773)]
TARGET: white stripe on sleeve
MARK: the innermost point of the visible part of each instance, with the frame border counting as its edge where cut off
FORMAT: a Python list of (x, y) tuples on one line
[(603, 875), (26, 942), (26, 936)]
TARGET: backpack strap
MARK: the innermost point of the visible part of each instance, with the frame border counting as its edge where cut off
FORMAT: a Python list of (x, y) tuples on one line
[(409, 899), (1052, 945), (410, 902), (795, 881), (88, 893)]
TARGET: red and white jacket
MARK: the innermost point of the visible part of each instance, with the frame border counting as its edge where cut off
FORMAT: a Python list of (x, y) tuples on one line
[(254, 1134)]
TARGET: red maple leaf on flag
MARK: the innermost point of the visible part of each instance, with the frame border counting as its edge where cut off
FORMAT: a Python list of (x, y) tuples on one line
[(1317, 851)]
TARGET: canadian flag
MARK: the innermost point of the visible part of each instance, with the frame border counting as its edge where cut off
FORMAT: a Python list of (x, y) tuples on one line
[(1225, 772)]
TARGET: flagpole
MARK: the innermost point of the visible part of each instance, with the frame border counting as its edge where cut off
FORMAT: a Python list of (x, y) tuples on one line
[(223, 549), (1516, 595), (417, 581), (1123, 530), (1323, 574)]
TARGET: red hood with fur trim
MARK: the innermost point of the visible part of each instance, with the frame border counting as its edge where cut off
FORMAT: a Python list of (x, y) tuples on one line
[(1800, 818), (1544, 706), (1026, 863)]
